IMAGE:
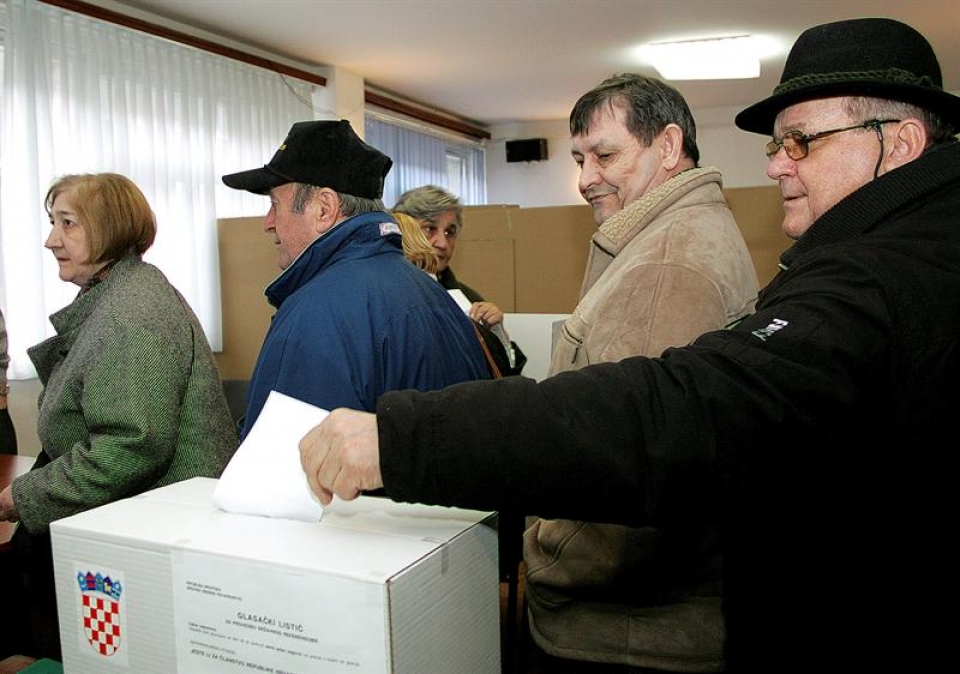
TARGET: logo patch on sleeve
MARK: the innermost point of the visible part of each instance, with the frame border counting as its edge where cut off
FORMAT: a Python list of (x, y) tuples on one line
[(387, 228), (774, 326)]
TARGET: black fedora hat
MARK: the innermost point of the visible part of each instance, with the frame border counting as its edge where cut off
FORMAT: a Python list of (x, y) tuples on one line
[(325, 154), (875, 57)]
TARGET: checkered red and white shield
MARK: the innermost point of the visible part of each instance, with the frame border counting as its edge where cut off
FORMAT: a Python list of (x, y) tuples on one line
[(101, 622)]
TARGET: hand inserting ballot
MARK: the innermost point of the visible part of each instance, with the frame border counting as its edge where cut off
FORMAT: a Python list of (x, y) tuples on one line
[(341, 455)]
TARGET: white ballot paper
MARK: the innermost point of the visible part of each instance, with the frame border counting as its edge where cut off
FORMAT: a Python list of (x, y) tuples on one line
[(265, 477)]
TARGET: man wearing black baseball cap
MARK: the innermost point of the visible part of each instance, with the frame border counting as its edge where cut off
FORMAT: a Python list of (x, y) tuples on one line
[(819, 424), (354, 318)]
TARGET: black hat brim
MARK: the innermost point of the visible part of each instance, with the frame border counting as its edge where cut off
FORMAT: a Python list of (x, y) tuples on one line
[(258, 181), (759, 118)]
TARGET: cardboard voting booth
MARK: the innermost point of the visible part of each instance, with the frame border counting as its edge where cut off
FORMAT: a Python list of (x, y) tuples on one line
[(166, 582)]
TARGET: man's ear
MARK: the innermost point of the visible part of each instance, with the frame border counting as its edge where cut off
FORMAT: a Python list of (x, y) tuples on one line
[(671, 146), (327, 211), (909, 142)]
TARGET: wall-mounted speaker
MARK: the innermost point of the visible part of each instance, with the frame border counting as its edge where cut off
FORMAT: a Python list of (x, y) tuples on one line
[(528, 149)]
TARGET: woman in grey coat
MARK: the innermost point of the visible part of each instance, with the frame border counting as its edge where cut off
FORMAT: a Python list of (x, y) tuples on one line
[(132, 397)]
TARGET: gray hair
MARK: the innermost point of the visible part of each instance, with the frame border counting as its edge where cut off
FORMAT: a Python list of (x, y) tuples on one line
[(864, 108), (429, 201), (350, 205), (649, 103)]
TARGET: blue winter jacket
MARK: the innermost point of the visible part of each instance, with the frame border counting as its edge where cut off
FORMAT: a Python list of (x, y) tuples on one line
[(355, 319)]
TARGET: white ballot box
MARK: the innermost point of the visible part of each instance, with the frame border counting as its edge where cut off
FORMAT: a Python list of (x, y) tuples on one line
[(165, 582)]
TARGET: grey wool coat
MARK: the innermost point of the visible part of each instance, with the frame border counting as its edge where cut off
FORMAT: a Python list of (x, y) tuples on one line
[(132, 399)]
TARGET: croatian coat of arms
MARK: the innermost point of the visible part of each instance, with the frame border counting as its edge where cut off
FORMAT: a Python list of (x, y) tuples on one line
[(100, 611)]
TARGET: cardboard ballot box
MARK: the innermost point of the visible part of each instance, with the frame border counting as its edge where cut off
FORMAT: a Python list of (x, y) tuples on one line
[(165, 582)]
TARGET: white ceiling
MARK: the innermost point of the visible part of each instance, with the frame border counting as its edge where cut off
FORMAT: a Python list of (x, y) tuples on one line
[(503, 61)]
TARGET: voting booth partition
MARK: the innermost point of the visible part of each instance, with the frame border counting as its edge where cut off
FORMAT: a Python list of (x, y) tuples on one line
[(166, 582), (526, 260)]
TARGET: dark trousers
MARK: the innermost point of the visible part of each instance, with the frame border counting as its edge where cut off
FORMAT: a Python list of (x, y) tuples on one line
[(29, 624), (8, 436)]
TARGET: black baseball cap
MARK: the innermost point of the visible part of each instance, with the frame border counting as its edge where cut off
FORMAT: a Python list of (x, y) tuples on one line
[(325, 154)]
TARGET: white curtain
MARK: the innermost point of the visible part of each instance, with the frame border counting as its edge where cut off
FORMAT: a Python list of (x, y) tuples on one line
[(423, 156), (469, 164), (80, 95)]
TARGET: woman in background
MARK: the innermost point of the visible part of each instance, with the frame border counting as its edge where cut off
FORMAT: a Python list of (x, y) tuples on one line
[(132, 397), (418, 250), (440, 216), (8, 436)]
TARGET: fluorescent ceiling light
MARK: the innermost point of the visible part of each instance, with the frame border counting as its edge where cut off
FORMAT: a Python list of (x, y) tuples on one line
[(725, 58)]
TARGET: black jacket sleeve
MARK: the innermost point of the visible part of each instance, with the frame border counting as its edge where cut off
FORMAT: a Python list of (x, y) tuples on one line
[(647, 440)]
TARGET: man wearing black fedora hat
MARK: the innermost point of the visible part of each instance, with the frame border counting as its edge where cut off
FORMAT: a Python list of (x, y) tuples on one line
[(354, 318), (819, 422)]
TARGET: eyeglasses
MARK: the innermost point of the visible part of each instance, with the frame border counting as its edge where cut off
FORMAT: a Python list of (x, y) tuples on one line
[(797, 144)]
